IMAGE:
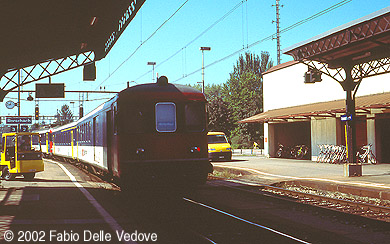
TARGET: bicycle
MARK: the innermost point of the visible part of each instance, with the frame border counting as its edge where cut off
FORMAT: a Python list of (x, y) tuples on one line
[(365, 155), (299, 151), (284, 152), (334, 154)]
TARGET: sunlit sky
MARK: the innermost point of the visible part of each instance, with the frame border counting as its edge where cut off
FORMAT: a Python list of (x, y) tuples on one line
[(175, 46)]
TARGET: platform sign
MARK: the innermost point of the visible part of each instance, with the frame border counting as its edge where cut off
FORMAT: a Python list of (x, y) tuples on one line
[(18, 120), (346, 117)]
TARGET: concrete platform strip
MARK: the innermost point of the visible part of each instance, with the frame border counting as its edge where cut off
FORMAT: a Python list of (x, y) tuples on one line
[(106, 216), (362, 184)]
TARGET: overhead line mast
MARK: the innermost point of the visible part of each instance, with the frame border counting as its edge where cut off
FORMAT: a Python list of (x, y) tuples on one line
[(277, 30)]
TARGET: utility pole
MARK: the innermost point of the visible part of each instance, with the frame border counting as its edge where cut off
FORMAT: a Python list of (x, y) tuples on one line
[(278, 6), (203, 49), (18, 130), (153, 64)]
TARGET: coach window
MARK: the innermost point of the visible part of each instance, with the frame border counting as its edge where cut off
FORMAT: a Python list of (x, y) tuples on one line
[(84, 133), (165, 117), (115, 121), (89, 131), (195, 116)]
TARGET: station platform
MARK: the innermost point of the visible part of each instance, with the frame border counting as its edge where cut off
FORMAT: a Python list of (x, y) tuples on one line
[(374, 182)]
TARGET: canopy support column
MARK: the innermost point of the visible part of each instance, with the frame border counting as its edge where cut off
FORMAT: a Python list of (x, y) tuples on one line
[(350, 87)]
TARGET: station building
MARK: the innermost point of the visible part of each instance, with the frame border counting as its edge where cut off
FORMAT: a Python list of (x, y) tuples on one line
[(297, 113)]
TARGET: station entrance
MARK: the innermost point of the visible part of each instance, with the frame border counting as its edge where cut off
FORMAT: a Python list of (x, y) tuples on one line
[(290, 135)]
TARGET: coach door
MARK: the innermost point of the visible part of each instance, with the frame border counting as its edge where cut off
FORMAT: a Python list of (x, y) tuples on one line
[(112, 141), (109, 139)]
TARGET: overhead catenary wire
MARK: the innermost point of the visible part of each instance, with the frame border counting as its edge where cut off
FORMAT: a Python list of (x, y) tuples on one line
[(248, 46), (197, 37), (142, 43), (271, 37)]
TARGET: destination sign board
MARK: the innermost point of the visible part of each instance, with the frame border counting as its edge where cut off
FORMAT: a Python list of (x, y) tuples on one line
[(18, 120), (50, 90)]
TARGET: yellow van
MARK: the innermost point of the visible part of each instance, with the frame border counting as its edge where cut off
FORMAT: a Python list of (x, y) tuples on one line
[(219, 147), (20, 155)]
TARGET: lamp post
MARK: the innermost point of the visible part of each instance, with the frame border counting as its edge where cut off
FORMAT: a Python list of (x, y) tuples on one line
[(153, 64), (19, 77), (203, 49)]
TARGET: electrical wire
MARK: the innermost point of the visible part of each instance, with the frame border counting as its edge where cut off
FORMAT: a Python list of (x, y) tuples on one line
[(142, 43), (271, 37), (197, 37)]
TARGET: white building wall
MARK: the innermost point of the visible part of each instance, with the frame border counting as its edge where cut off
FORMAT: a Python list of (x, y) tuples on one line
[(266, 140), (371, 134), (285, 87), (323, 131)]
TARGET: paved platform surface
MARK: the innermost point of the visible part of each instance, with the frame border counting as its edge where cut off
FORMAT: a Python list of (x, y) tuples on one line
[(374, 181)]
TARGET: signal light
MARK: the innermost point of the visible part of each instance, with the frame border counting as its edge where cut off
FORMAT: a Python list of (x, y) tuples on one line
[(81, 111), (36, 112)]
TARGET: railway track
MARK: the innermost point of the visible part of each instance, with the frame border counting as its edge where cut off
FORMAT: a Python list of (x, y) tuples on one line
[(235, 229), (359, 207), (182, 220), (307, 217), (205, 220)]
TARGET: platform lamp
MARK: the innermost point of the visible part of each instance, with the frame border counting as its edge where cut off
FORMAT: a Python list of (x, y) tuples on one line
[(153, 64), (203, 49)]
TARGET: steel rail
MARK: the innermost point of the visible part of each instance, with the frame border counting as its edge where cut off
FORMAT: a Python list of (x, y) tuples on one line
[(245, 221)]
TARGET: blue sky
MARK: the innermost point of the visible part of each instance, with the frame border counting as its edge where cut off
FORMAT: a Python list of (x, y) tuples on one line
[(250, 22)]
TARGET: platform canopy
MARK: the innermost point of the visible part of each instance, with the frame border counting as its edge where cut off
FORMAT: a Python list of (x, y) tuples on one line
[(364, 39), (70, 33), (348, 54), (365, 105), (363, 44)]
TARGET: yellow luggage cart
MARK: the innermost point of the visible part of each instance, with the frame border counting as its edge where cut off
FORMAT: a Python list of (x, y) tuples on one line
[(21, 154)]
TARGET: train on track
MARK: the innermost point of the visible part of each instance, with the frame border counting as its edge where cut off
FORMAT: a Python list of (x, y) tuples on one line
[(149, 133)]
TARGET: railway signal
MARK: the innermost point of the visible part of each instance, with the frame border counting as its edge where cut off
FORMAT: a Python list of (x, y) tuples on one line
[(36, 113)]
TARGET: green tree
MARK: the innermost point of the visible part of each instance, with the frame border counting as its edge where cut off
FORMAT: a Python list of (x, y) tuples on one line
[(243, 93), (64, 115), (218, 110)]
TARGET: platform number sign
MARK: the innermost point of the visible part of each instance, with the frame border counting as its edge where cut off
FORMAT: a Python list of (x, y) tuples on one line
[(14, 128), (346, 117), (23, 128)]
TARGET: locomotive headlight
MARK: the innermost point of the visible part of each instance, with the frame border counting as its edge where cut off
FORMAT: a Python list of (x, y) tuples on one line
[(140, 151), (195, 149)]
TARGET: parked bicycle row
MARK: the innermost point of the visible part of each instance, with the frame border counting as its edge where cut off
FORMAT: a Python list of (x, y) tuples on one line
[(337, 154)]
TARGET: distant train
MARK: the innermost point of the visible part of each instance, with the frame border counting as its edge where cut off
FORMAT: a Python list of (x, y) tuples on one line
[(149, 133)]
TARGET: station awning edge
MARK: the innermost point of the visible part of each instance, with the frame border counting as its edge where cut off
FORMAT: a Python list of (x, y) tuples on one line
[(369, 104)]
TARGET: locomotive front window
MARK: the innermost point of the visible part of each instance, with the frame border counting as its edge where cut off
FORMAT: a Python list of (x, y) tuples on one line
[(166, 117), (195, 116)]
